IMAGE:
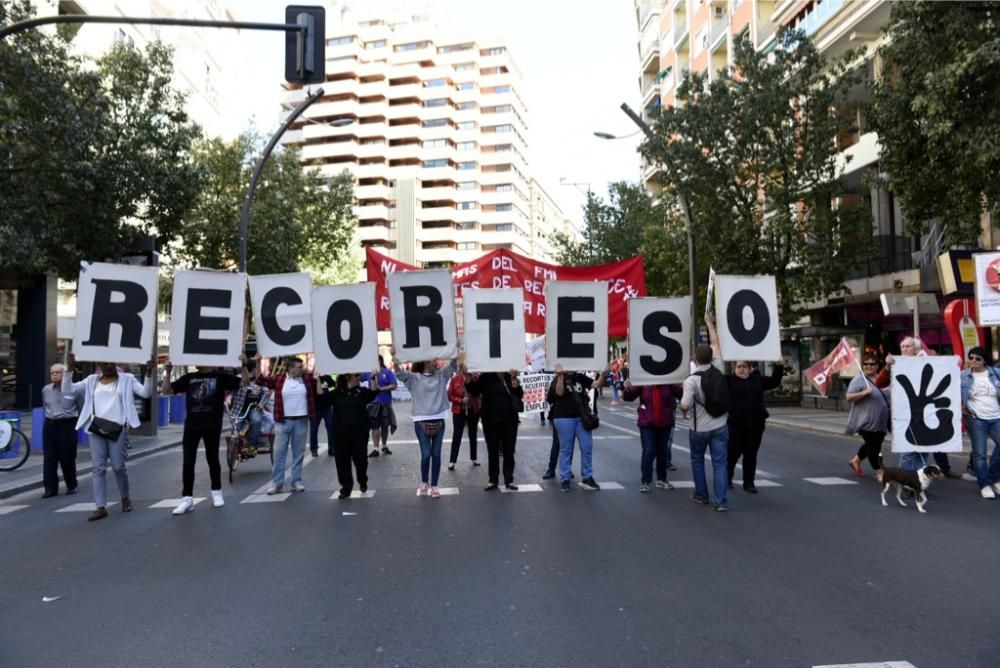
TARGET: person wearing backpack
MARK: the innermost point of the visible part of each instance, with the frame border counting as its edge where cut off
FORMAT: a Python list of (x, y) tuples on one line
[(705, 403)]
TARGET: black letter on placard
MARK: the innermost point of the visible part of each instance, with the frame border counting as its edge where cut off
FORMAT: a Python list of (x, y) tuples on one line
[(566, 326), (428, 316), (274, 298), (195, 323), (652, 325), (125, 313), (344, 310), (761, 318), (494, 313)]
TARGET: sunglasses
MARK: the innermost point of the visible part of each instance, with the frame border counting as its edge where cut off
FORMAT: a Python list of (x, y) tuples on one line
[(976, 358)]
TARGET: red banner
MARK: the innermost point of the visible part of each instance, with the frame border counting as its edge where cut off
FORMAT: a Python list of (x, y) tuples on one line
[(819, 374), (506, 269)]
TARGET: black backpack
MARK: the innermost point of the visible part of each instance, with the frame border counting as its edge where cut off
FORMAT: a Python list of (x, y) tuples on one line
[(716, 391)]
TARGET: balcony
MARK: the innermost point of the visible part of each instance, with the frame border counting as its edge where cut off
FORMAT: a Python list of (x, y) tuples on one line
[(892, 253), (650, 55)]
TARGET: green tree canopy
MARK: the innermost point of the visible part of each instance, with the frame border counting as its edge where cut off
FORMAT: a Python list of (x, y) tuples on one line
[(298, 218), (936, 112), (93, 155), (755, 153)]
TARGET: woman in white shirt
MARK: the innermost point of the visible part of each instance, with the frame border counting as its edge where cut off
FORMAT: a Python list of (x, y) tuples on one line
[(981, 406), (108, 412)]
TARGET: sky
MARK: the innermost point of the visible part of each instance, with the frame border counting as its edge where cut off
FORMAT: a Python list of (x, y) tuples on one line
[(578, 58)]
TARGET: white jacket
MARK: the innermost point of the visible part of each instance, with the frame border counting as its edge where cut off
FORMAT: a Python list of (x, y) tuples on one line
[(128, 386)]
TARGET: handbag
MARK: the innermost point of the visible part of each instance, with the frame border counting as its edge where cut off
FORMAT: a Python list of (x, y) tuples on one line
[(431, 428), (587, 418), (109, 429), (374, 410)]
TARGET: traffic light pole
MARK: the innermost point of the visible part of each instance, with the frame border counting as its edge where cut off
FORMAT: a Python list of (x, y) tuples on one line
[(21, 26)]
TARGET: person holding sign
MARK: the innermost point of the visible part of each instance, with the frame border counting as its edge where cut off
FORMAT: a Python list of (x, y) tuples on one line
[(502, 401), (869, 416), (706, 398), (381, 419), (294, 402), (656, 428), (464, 414), (428, 386), (981, 406), (205, 390), (107, 414), (573, 421), (349, 401)]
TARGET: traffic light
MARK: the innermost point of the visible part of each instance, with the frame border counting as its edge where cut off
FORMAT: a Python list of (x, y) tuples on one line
[(305, 50)]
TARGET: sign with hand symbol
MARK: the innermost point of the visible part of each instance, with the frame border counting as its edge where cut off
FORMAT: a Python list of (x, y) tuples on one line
[(926, 405)]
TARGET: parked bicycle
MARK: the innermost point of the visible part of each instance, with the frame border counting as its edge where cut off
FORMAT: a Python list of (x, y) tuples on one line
[(13, 440)]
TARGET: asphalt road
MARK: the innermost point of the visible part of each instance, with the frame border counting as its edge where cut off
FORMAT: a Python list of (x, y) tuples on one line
[(801, 574)]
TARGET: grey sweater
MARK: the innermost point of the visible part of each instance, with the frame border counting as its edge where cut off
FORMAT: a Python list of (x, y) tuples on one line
[(429, 392)]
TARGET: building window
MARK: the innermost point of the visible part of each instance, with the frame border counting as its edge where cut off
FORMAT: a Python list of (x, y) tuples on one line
[(465, 226), (376, 44), (506, 227), (435, 123), (504, 128), (428, 164), (465, 206), (467, 165), (504, 188), (412, 46), (463, 106), (462, 67), (495, 51), (467, 245), (501, 89), (336, 41), (465, 85), (466, 145), (437, 102), (454, 48), (435, 82), (467, 125), (466, 185), (504, 207), (435, 143)]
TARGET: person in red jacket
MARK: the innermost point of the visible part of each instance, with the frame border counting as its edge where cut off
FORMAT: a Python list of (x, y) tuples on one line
[(294, 406), (656, 428), (464, 414)]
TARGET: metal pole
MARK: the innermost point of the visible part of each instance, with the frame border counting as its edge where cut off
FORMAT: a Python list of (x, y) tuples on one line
[(21, 26), (686, 212), (259, 169)]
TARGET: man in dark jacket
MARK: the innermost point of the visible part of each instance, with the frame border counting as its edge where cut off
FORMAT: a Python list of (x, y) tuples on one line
[(747, 416)]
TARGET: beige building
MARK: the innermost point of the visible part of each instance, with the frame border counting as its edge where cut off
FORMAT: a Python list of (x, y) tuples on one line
[(436, 139)]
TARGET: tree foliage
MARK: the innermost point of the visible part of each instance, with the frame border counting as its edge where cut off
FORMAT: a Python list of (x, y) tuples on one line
[(754, 152), (297, 219), (936, 113), (93, 154), (627, 224)]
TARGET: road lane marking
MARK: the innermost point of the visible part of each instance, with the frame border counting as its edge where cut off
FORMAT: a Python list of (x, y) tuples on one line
[(6, 510), (173, 503), (522, 487), (445, 491), (877, 664), (831, 481), (355, 494), (266, 498)]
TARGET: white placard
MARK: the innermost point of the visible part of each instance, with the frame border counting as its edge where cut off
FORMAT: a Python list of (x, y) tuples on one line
[(746, 314), (206, 326), (987, 288), (659, 339), (282, 313), (926, 405), (344, 329), (535, 353), (423, 315), (578, 312), (115, 312), (536, 391), (494, 329)]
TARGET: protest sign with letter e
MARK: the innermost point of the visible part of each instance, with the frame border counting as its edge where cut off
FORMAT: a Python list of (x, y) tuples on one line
[(207, 318), (116, 313), (576, 329), (746, 311)]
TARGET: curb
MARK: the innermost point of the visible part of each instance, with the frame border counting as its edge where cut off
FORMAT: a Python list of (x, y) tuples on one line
[(796, 426), (27, 486)]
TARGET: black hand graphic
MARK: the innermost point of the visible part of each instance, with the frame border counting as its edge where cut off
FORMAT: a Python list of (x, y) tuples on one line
[(918, 432)]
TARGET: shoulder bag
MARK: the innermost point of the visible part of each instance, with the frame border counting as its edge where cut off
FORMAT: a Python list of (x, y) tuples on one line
[(109, 429)]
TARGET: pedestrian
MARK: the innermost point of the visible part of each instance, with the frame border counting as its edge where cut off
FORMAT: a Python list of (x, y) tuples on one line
[(248, 408), (706, 398), (62, 411), (502, 399), (381, 416), (464, 415), (205, 392), (981, 407), (573, 421), (428, 386), (655, 420), (350, 400), (324, 414), (869, 416), (107, 414), (294, 406)]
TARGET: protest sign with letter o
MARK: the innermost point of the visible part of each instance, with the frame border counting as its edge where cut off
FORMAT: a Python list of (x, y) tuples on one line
[(576, 329), (423, 315), (115, 312), (282, 313), (494, 326), (344, 328), (746, 313), (206, 327), (659, 336)]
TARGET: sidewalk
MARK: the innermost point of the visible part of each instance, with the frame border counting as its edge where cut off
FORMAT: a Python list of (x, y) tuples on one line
[(809, 419), (29, 476)]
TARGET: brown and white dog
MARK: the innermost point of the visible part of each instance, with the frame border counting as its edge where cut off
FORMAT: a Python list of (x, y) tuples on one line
[(918, 481)]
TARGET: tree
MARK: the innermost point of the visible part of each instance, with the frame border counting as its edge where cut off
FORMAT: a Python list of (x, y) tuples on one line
[(936, 114), (298, 218), (93, 155), (629, 223), (755, 152)]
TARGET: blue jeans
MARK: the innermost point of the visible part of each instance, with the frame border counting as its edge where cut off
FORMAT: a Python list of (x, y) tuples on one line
[(717, 443), (291, 433), (569, 429), (979, 430), (655, 445), (912, 461), (430, 454), (101, 450)]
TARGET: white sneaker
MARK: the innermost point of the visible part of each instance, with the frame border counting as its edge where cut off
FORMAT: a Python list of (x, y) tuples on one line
[(987, 493), (422, 490), (217, 499), (298, 487), (186, 504), (996, 487)]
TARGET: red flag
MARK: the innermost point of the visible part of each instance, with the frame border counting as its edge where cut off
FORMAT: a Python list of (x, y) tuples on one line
[(819, 374)]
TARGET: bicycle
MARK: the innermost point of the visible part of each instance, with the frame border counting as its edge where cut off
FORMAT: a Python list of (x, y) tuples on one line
[(11, 438)]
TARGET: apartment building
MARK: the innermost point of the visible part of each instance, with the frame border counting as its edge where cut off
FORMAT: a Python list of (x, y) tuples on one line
[(435, 136)]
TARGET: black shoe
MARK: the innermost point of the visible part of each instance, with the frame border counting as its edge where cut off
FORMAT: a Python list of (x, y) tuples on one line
[(386, 451), (549, 474), (591, 484), (329, 453), (565, 486), (671, 467), (751, 488), (572, 476), (511, 486), (451, 466), (314, 453), (372, 454), (344, 495), (363, 488), (71, 491), (491, 487), (49, 494)]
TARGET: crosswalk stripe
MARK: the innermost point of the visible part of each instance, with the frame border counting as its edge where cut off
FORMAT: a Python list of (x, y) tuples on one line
[(831, 481), (759, 483), (530, 487), (266, 498), (445, 491), (6, 510), (355, 494), (78, 508), (877, 664), (173, 503)]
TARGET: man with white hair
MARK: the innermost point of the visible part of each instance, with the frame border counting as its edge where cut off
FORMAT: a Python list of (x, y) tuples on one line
[(59, 433)]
